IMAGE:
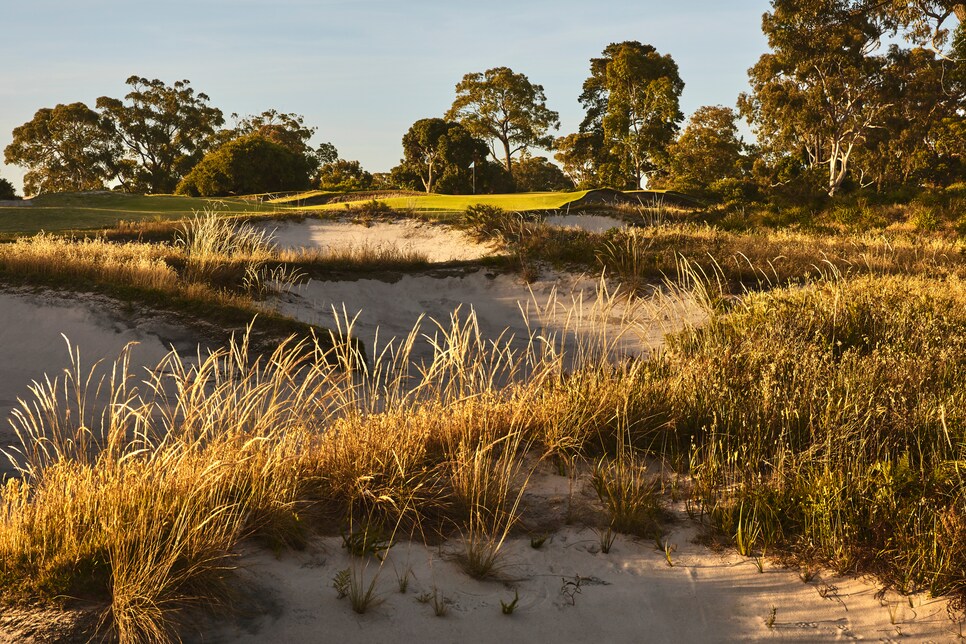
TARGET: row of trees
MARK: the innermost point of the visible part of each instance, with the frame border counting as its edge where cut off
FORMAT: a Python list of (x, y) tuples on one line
[(163, 139), (631, 99), (830, 105)]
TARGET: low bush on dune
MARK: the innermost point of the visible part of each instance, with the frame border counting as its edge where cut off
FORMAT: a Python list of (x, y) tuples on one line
[(828, 421)]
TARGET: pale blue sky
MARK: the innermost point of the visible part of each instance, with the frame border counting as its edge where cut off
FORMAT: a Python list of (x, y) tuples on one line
[(361, 72)]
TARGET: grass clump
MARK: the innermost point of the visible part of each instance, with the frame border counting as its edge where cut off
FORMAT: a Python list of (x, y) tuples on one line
[(629, 495)]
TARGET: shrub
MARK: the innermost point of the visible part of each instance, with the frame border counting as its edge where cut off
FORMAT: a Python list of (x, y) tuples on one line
[(247, 165), (7, 190)]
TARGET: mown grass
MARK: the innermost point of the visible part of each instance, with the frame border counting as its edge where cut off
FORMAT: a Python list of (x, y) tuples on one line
[(457, 203), (78, 211)]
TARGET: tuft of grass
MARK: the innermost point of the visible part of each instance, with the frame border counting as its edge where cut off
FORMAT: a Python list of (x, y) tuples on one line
[(630, 496)]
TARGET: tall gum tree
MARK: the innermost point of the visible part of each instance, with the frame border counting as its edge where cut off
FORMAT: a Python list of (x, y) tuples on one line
[(67, 148), (504, 106), (632, 111), (819, 93), (165, 131)]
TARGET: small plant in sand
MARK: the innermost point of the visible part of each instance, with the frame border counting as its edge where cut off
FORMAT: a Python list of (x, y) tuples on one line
[(606, 536), (570, 587), (402, 580), (438, 601), (362, 595), (507, 608), (342, 582), (770, 619)]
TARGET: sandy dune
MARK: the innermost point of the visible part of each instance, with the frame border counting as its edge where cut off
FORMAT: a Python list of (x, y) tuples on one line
[(628, 595), (33, 327), (438, 243), (558, 305)]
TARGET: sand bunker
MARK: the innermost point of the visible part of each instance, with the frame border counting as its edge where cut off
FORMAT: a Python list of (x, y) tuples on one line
[(569, 306), (569, 591), (438, 243), (32, 326), (590, 223)]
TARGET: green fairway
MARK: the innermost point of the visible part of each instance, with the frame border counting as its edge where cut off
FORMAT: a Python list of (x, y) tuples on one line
[(61, 212), (458, 203), (81, 211)]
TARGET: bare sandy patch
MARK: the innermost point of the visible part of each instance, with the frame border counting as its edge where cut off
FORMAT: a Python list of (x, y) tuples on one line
[(570, 591), (438, 243), (559, 307)]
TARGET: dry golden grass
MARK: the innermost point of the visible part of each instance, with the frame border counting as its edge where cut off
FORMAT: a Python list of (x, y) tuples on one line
[(46, 256), (138, 491)]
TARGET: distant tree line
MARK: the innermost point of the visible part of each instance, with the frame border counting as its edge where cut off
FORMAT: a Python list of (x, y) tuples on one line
[(833, 109)]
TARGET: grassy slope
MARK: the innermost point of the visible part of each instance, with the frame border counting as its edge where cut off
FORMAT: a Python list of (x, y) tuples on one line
[(76, 211)]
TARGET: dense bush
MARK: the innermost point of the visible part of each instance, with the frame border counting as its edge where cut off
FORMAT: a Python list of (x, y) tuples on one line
[(247, 165), (537, 174), (343, 176), (7, 190)]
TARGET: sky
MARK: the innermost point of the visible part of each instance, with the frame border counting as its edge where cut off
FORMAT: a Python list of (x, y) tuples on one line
[(360, 71)]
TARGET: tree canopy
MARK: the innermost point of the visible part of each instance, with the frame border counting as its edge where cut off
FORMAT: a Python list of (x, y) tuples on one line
[(632, 108), (7, 191), (438, 156), (164, 131), (538, 174), (504, 106), (343, 176), (825, 96), (708, 152), (67, 148), (286, 129), (250, 164)]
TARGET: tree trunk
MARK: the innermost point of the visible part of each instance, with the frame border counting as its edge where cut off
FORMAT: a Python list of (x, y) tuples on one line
[(506, 150), (960, 11)]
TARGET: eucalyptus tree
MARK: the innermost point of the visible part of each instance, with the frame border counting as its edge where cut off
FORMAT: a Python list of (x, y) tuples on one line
[(66, 148), (287, 129), (632, 108), (502, 106), (708, 151), (819, 93), (164, 131), (439, 156), (249, 164)]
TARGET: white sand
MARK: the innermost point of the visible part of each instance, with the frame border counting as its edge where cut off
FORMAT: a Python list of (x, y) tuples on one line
[(590, 223), (31, 328), (437, 242), (628, 595), (561, 304)]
